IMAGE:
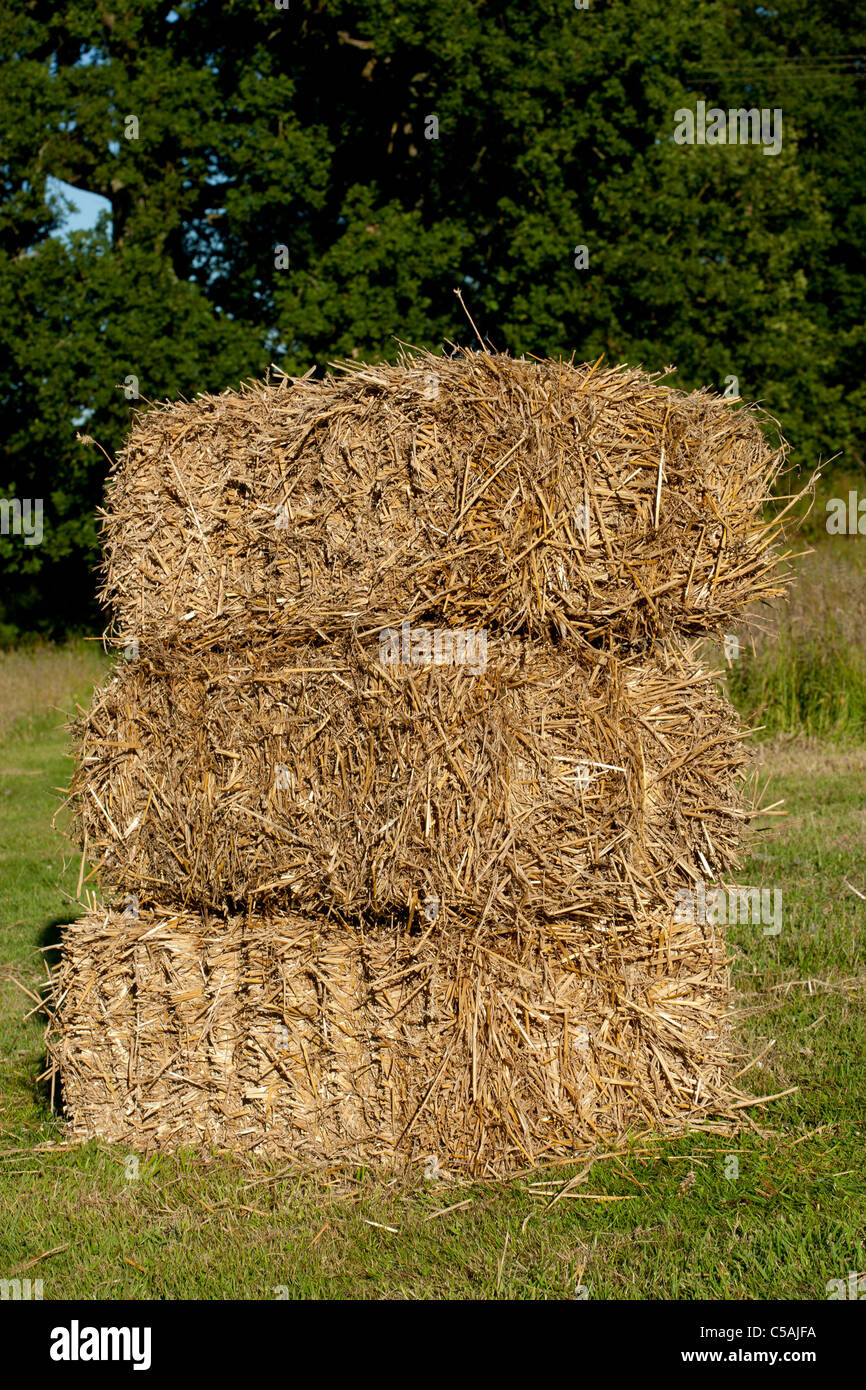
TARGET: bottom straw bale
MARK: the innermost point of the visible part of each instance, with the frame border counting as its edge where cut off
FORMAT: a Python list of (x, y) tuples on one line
[(326, 1041)]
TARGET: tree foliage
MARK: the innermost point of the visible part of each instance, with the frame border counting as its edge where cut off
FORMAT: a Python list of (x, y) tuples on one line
[(258, 128)]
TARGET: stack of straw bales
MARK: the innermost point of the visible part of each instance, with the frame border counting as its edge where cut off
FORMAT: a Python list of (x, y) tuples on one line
[(409, 762)]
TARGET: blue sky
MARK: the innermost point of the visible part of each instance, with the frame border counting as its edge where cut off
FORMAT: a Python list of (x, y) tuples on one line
[(87, 207)]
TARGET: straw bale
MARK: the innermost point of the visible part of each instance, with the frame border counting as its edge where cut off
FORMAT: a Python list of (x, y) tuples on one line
[(389, 911), (550, 784), (122, 996), (528, 497), (320, 1041)]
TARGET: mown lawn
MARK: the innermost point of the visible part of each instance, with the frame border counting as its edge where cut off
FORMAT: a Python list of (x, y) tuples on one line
[(791, 1219)]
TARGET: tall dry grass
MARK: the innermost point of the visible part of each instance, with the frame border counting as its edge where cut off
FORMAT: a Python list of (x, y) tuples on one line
[(806, 669), (44, 679)]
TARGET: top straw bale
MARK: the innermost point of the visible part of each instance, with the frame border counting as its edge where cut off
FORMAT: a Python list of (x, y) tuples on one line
[(533, 498)]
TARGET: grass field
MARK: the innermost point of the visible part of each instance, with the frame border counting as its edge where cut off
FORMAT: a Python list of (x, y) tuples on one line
[(674, 1220), (806, 670)]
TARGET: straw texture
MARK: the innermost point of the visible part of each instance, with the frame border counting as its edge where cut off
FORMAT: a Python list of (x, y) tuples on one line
[(536, 498), (304, 1037), (544, 786), (399, 895)]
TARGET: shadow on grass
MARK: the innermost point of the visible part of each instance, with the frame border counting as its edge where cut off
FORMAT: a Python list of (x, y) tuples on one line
[(50, 940)]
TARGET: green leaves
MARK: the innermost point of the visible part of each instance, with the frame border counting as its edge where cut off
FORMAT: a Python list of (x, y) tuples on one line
[(309, 128)]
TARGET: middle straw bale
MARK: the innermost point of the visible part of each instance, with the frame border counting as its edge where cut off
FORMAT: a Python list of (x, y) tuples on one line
[(542, 784)]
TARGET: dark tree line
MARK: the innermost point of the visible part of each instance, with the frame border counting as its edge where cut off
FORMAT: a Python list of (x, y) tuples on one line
[(309, 128)]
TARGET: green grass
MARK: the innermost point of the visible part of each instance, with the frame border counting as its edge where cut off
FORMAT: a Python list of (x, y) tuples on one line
[(816, 687), (805, 669), (193, 1225)]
